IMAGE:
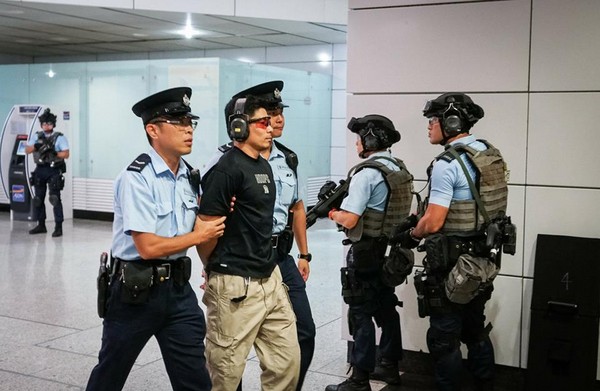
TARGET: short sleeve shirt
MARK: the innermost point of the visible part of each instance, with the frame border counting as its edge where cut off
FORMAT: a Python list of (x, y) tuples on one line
[(286, 183), (245, 247), (367, 187), (448, 180), (61, 144), (153, 200)]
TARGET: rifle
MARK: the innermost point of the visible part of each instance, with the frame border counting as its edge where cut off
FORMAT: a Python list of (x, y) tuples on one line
[(330, 197)]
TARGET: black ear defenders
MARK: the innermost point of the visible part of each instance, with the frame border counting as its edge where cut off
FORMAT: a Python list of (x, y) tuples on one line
[(371, 137), (238, 122), (451, 121)]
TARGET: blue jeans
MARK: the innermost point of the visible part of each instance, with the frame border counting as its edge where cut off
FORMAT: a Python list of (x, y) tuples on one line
[(173, 316), (455, 324)]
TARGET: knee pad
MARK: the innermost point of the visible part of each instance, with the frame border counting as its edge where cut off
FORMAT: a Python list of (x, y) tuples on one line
[(54, 199), (37, 201), (440, 343)]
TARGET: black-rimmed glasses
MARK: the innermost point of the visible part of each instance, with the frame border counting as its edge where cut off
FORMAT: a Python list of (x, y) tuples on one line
[(178, 122)]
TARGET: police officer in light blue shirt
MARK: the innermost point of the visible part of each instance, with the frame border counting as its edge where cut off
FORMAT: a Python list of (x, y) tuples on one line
[(156, 200), (50, 149), (363, 214)]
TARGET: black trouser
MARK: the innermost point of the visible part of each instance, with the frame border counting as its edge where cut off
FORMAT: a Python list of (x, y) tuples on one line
[(173, 317), (305, 324), (374, 301), (451, 325), (44, 175)]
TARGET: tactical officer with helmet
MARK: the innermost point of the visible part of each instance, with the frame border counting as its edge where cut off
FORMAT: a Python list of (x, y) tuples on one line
[(466, 204), (50, 149), (379, 197), (156, 201), (289, 218)]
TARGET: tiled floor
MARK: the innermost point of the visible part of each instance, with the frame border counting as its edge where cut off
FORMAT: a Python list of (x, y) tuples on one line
[(50, 333)]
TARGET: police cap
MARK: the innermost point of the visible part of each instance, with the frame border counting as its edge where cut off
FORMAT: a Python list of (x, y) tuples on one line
[(174, 102), (378, 122), (268, 93), (462, 102)]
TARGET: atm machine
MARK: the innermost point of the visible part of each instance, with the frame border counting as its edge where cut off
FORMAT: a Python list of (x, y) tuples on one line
[(21, 205), (16, 166)]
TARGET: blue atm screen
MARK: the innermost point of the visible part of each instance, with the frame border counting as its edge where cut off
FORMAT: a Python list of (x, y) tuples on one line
[(18, 193)]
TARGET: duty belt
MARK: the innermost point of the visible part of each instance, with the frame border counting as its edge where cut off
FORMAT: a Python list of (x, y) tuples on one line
[(162, 269)]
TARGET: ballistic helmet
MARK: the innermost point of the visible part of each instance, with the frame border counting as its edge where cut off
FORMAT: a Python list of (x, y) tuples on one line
[(48, 117), (376, 132), (456, 111)]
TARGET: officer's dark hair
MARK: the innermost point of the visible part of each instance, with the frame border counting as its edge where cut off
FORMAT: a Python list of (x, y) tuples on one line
[(48, 117), (456, 110)]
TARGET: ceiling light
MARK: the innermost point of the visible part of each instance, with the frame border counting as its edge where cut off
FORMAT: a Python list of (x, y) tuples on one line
[(324, 57), (50, 73), (140, 35)]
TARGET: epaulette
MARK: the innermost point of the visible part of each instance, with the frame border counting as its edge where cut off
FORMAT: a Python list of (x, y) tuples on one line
[(139, 163), (226, 147), (290, 156)]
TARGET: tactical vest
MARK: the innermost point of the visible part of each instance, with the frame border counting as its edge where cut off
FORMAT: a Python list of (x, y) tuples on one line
[(491, 177), (47, 158), (374, 223)]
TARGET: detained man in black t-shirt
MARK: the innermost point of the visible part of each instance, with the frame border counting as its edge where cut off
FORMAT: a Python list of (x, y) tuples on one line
[(246, 301)]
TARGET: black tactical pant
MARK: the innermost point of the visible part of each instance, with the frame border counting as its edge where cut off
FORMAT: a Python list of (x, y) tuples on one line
[(50, 177)]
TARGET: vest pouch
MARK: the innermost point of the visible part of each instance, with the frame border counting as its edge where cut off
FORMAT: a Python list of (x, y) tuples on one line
[(436, 248), (469, 276), (397, 266), (367, 255), (137, 280)]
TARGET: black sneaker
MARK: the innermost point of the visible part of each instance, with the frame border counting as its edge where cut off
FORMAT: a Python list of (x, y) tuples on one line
[(57, 232), (386, 371), (350, 384), (38, 229)]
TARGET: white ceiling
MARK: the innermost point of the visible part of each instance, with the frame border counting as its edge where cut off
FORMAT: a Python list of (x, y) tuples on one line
[(38, 29)]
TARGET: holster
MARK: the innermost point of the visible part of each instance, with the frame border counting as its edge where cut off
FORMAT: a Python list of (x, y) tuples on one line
[(285, 242), (431, 297), (353, 290), (102, 284)]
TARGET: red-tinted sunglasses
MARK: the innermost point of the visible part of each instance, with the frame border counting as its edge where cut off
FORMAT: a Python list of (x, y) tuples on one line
[(261, 122)]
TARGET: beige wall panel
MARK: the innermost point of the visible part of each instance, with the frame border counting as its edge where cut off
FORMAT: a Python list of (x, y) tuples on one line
[(565, 54), (558, 211), (563, 140), (466, 47)]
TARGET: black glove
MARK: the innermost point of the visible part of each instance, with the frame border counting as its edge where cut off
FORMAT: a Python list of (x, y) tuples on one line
[(326, 190), (406, 224), (405, 239), (37, 145), (44, 148)]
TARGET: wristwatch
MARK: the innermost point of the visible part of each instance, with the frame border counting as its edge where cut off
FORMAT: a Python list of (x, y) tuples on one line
[(307, 256)]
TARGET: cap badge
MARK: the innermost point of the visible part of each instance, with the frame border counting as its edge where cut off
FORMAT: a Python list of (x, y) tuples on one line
[(277, 93), (186, 100)]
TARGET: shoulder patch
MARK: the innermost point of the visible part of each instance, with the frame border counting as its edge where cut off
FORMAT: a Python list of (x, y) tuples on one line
[(139, 163), (226, 147)]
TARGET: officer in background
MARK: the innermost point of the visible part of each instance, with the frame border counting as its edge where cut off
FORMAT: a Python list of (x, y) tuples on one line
[(156, 200), (50, 149), (379, 197), (289, 218), (452, 227)]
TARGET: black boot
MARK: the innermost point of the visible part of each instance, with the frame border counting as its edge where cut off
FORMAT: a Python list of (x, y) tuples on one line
[(386, 371), (57, 230), (359, 381), (38, 229)]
